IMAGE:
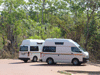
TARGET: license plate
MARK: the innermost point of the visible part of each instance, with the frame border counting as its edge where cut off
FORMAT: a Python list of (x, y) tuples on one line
[(23, 53)]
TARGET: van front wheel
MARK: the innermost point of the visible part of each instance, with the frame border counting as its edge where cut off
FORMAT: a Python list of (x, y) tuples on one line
[(50, 61), (75, 62)]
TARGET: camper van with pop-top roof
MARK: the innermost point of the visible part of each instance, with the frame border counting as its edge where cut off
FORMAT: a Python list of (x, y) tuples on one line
[(63, 51), (30, 50)]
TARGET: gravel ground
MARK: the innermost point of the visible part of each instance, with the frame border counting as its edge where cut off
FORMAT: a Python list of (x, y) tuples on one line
[(18, 67)]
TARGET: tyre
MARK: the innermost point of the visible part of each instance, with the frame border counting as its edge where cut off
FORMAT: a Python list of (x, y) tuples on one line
[(34, 59), (25, 61), (76, 62), (50, 61)]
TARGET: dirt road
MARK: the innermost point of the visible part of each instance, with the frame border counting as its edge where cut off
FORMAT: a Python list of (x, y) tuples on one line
[(18, 67)]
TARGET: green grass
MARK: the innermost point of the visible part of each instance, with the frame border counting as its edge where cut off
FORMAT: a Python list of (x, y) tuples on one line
[(63, 72)]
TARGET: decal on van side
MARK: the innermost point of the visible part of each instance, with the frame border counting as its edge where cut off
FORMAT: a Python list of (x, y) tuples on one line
[(60, 53)]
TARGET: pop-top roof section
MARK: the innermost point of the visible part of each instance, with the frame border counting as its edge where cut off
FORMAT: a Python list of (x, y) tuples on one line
[(31, 42), (58, 40)]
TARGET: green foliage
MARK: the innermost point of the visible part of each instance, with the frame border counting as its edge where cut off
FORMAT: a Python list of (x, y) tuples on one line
[(35, 37), (55, 33), (78, 20)]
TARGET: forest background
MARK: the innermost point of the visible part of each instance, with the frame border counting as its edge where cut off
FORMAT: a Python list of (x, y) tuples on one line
[(78, 20)]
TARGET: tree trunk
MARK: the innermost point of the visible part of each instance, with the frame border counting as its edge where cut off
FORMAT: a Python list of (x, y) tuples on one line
[(3, 40), (37, 17), (43, 10), (87, 25)]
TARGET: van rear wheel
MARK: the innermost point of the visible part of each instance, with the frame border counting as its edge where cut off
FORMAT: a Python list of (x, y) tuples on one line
[(75, 62), (50, 61), (25, 61), (34, 59)]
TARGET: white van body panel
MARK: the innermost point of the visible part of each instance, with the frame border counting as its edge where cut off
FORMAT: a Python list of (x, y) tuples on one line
[(63, 52), (29, 43), (24, 54)]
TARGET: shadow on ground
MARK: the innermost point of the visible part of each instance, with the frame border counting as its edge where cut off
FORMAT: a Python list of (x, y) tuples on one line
[(85, 72), (55, 65), (21, 62)]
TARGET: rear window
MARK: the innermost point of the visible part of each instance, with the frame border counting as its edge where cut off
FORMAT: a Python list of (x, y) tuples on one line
[(24, 48), (49, 49), (34, 48)]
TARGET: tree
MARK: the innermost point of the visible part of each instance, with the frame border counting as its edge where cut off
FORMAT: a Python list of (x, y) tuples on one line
[(11, 21)]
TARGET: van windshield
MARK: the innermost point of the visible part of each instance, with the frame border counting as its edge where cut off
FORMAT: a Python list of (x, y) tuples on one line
[(24, 48), (82, 49)]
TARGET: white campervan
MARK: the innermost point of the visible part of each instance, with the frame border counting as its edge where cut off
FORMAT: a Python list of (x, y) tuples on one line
[(30, 50), (63, 51)]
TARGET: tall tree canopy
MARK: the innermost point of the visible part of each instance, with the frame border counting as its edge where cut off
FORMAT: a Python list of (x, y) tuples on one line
[(78, 20)]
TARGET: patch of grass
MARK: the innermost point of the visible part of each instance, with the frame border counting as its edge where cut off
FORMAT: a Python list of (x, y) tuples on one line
[(7, 55), (63, 72)]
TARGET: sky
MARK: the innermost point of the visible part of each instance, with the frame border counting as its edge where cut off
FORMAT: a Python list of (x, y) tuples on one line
[(1, 7)]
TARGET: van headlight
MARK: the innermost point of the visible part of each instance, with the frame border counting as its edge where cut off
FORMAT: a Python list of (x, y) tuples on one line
[(84, 56)]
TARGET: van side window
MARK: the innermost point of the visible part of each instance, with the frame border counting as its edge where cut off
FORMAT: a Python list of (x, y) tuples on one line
[(23, 48), (34, 48), (59, 43), (49, 49), (75, 49)]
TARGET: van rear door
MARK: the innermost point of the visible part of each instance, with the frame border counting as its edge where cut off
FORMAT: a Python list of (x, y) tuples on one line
[(23, 52)]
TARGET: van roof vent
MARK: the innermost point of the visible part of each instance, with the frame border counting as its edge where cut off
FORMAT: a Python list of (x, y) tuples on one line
[(59, 43), (39, 42)]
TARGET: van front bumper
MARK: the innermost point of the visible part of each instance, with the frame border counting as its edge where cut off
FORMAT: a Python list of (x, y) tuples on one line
[(24, 58), (85, 60)]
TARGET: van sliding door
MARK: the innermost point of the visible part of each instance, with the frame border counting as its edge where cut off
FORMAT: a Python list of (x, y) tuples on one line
[(63, 54)]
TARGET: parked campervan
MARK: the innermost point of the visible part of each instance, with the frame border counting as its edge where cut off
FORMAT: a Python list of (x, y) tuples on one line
[(63, 51), (30, 49)]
